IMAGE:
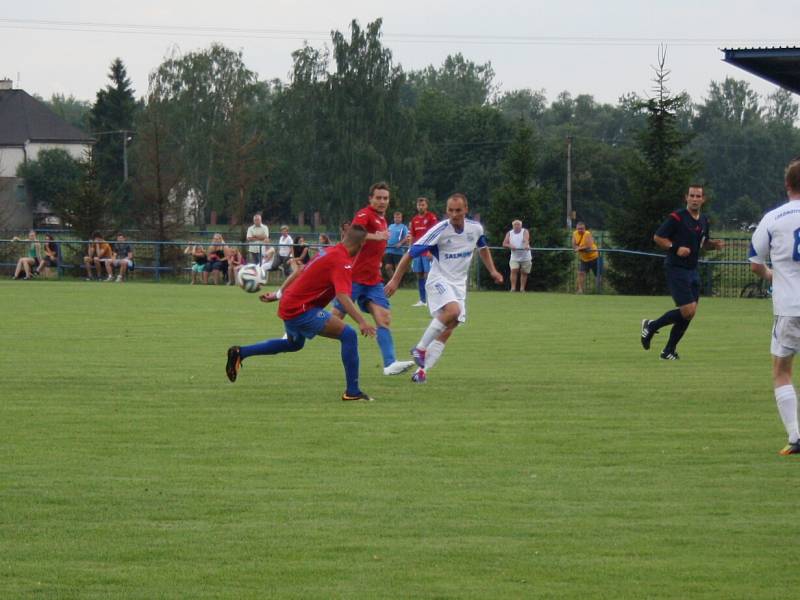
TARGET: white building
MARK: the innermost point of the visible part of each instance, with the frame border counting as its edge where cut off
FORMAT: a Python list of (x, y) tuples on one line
[(28, 126)]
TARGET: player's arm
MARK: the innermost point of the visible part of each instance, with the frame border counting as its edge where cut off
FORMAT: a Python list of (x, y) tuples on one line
[(761, 270), (399, 271), (507, 240), (350, 308), (759, 252), (526, 239), (486, 258), (276, 295)]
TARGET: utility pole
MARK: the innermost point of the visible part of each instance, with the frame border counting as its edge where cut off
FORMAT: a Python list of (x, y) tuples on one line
[(569, 182), (124, 155)]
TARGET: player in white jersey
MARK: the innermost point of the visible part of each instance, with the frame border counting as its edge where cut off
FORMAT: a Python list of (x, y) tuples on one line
[(451, 243), (777, 239)]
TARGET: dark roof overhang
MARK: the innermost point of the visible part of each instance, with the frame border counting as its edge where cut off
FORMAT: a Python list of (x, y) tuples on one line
[(780, 66)]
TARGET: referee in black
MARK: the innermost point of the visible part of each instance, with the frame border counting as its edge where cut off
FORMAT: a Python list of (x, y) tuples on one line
[(682, 235)]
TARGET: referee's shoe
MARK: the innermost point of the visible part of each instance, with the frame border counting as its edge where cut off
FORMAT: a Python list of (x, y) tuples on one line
[(647, 335)]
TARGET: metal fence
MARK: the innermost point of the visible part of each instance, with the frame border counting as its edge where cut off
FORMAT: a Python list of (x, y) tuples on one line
[(724, 273)]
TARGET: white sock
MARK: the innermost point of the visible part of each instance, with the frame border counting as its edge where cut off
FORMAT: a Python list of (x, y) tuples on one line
[(786, 398), (433, 353), (433, 331)]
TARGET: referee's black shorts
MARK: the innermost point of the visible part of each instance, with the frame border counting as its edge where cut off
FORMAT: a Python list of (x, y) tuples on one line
[(684, 285)]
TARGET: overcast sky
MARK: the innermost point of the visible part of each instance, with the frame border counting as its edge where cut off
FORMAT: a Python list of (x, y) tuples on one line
[(604, 49)]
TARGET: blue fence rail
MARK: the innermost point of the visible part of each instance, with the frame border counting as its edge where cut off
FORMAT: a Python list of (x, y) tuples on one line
[(723, 274)]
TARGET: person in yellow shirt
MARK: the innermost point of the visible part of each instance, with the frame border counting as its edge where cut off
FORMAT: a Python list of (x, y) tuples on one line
[(583, 243), (98, 251)]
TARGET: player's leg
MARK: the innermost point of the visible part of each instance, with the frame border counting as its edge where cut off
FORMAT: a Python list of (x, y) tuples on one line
[(421, 265), (372, 299), (236, 354), (785, 341), (445, 318), (432, 355), (448, 311), (581, 280), (337, 329), (786, 400)]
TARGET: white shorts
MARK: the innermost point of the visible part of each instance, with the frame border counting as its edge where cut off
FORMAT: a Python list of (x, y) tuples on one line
[(118, 261), (440, 293), (785, 336), (522, 265)]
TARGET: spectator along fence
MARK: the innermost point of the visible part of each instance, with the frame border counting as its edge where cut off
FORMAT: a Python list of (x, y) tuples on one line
[(725, 273)]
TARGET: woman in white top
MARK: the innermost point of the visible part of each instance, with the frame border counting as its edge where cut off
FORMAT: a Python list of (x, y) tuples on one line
[(518, 240)]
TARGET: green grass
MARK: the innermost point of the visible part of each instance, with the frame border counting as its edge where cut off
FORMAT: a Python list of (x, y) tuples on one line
[(548, 456)]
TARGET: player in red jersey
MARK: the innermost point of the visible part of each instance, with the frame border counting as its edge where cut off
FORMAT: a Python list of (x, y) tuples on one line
[(367, 281), (303, 297), (420, 224)]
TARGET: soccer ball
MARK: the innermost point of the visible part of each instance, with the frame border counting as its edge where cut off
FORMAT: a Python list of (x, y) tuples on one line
[(250, 278)]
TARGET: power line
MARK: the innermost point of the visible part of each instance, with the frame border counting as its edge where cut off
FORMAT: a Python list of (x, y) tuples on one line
[(410, 38)]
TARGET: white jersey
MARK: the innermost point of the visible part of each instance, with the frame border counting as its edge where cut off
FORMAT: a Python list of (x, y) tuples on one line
[(517, 241), (777, 239), (452, 251)]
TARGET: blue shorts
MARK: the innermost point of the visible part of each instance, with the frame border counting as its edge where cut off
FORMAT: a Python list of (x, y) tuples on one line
[(362, 295), (421, 264), (684, 285), (307, 325)]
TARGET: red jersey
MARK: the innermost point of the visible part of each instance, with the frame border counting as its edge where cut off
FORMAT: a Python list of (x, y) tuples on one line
[(420, 224), (367, 265), (325, 276)]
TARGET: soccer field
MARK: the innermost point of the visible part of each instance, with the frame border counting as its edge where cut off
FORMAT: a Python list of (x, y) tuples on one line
[(548, 455)]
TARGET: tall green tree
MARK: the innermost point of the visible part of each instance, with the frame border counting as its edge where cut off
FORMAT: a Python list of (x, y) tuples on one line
[(521, 197), (207, 91), (374, 135), (52, 176), (744, 144), (159, 189), (460, 79), (70, 187), (657, 176), (73, 111), (111, 120)]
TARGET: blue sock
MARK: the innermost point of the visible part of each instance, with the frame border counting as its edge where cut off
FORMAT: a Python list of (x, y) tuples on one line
[(421, 288), (349, 340), (272, 347), (386, 344)]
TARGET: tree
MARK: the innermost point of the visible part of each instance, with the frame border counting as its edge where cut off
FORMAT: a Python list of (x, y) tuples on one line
[(158, 185), (461, 80), (657, 177), (53, 175), (525, 104), (744, 145), (73, 111), (86, 207), (111, 120), (206, 90), (519, 197), (70, 187)]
